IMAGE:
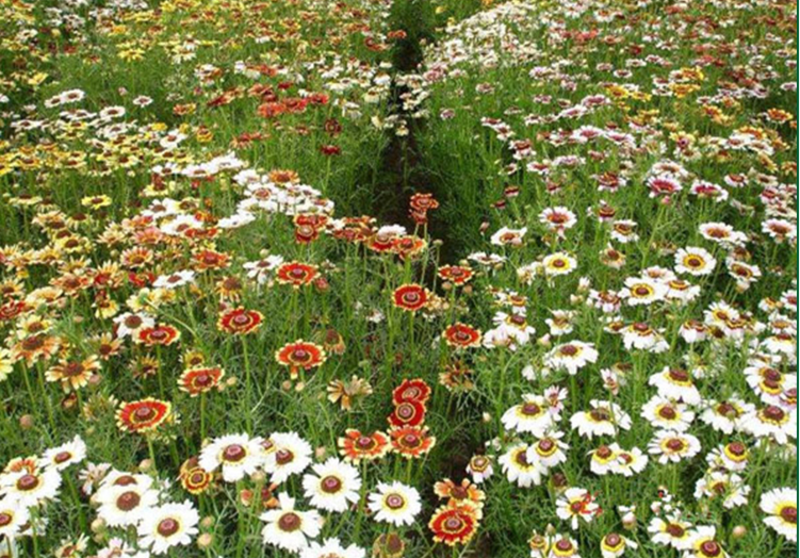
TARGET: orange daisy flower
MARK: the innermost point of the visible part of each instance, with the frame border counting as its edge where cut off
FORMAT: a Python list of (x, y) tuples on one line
[(240, 321), (355, 446), (410, 297), (296, 274), (456, 274), (462, 336), (195, 381), (144, 415), (453, 525), (411, 442), (158, 335), (300, 354)]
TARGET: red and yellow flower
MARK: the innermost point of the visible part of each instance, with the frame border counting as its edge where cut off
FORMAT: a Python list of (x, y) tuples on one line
[(453, 525), (462, 336), (410, 297), (411, 442), (144, 415), (300, 354), (296, 274), (355, 446), (240, 321), (202, 379), (158, 335), (415, 390), (456, 274)]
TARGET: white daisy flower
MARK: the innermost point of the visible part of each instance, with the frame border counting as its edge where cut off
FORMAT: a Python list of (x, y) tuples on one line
[(518, 469), (333, 486), (670, 446), (288, 528), (237, 455), (394, 503), (168, 525), (780, 505), (290, 455)]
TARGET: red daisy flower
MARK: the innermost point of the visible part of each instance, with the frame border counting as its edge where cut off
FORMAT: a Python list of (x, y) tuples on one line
[(411, 441), (209, 259), (240, 321), (408, 413), (456, 274), (408, 246), (423, 202), (462, 336), (355, 446), (144, 415), (195, 381), (453, 524), (415, 390), (296, 274), (158, 335), (300, 354), (410, 297)]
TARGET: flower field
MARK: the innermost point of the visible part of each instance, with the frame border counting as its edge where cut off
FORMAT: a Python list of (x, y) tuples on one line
[(398, 278)]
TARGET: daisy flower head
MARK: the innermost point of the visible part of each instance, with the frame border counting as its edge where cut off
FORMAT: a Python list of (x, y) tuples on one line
[(602, 419), (614, 545), (780, 505), (669, 446), (703, 543), (643, 291), (288, 528), (509, 237), (237, 455), (394, 503), (290, 455), (576, 504), (670, 530), (571, 356), (333, 486), (518, 469), (125, 504), (168, 525), (676, 384), (61, 457), (532, 416), (694, 261), (559, 263), (29, 488), (454, 524)]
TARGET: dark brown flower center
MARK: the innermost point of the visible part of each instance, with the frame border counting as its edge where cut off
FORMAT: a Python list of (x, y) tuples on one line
[(5, 519), (62, 456), (331, 484), (569, 350), (675, 444), (531, 409), (789, 514), (128, 501), (234, 453), (27, 483), (675, 530), (710, 548), (679, 375), (168, 527), (284, 456), (667, 412), (771, 412)]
